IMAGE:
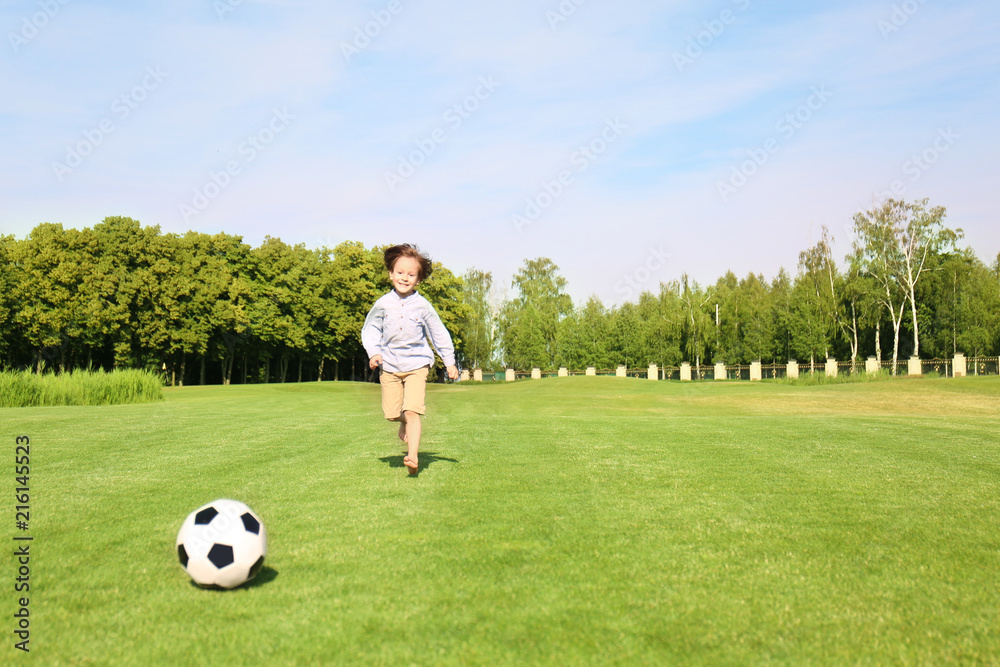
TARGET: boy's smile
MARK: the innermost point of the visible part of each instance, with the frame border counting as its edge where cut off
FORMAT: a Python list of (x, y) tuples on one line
[(405, 275)]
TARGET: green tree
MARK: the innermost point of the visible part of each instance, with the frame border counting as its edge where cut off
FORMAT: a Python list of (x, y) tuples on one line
[(922, 236), (479, 325), (10, 280), (663, 320), (230, 335), (698, 324), (279, 311), (524, 339), (962, 302), (816, 314), (629, 342), (571, 344), (596, 334), (530, 320), (758, 328), (358, 278), (896, 240), (127, 283), (810, 330), (60, 293), (727, 343), (877, 256), (781, 310)]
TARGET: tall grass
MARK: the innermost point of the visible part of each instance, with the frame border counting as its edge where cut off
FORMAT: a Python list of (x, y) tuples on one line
[(81, 387), (807, 379)]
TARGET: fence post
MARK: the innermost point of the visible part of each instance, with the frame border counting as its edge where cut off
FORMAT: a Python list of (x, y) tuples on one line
[(591, 370), (563, 372), (755, 371), (621, 371), (871, 365), (792, 370), (653, 373), (464, 376), (958, 369), (831, 367), (536, 373), (509, 375), (685, 371), (477, 375), (720, 371), (913, 366)]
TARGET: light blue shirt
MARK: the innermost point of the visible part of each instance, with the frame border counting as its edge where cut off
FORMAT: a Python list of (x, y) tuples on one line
[(398, 328)]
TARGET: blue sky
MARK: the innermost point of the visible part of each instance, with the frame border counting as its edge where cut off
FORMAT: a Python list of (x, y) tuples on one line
[(630, 142)]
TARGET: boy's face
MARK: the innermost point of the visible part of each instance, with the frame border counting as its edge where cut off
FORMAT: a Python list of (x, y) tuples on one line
[(404, 275)]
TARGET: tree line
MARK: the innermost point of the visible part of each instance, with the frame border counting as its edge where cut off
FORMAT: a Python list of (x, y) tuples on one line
[(200, 308), (206, 308), (906, 288)]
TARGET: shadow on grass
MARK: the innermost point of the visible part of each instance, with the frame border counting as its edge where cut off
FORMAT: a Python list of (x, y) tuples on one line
[(424, 458), (264, 577)]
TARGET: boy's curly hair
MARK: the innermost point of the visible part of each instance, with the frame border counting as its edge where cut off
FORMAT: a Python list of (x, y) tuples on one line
[(408, 250)]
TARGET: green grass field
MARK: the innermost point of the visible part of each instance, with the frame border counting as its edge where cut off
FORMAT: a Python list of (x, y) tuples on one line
[(561, 521)]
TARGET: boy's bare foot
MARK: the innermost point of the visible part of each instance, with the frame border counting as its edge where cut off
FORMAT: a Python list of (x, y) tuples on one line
[(402, 431), (411, 464)]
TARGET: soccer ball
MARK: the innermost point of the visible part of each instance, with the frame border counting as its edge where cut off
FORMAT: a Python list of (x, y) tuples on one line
[(222, 544)]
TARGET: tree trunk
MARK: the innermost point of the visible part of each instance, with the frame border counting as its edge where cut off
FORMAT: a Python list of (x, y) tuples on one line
[(854, 334), (954, 315), (319, 377), (183, 366), (878, 341), (282, 367), (897, 324), (300, 369)]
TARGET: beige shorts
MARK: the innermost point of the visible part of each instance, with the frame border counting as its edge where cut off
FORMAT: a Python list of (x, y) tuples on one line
[(403, 392)]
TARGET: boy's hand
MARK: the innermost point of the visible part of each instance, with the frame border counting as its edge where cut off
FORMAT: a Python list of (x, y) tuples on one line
[(452, 372), (375, 361)]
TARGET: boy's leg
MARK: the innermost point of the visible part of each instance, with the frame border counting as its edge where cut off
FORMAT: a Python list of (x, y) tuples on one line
[(412, 424), (414, 387), (392, 396), (392, 400)]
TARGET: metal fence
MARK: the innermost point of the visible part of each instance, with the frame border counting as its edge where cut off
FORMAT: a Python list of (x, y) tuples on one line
[(983, 366)]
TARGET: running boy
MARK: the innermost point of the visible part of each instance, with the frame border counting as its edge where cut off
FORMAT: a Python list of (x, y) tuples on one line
[(395, 336)]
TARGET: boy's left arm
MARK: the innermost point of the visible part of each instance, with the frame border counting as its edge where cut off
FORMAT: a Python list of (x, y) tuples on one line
[(441, 340)]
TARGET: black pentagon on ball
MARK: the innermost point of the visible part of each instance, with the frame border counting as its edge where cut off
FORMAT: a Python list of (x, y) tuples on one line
[(182, 554), (205, 516), (221, 555), (255, 568), (251, 524)]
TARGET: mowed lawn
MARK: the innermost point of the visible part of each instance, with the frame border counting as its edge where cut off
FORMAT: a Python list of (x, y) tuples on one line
[(561, 521)]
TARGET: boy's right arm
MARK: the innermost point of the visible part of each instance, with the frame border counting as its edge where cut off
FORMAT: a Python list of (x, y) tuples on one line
[(371, 334)]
